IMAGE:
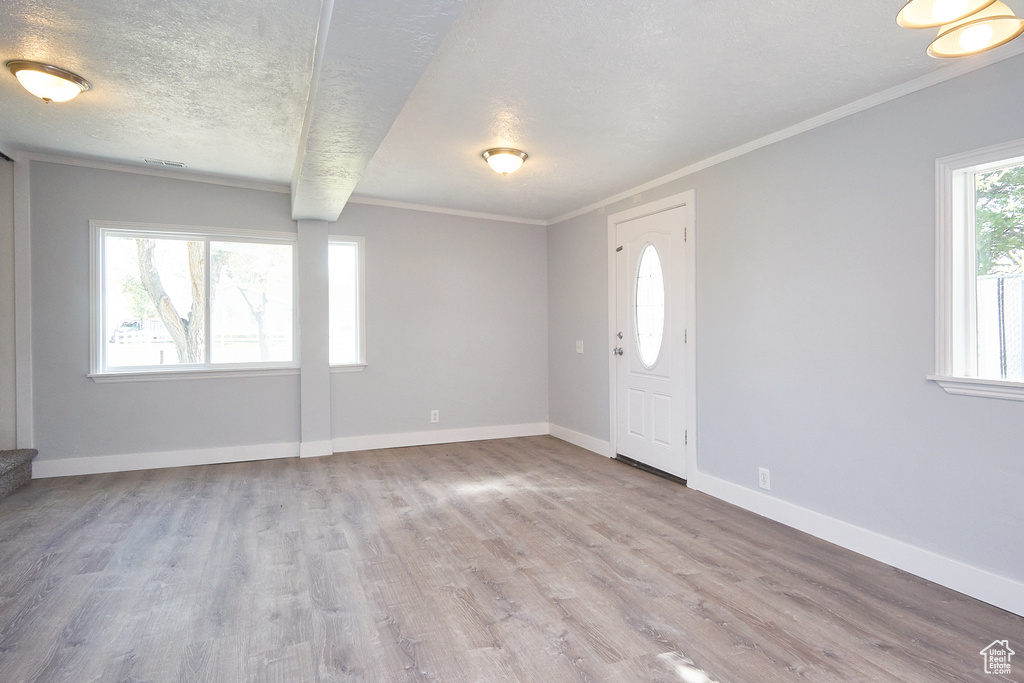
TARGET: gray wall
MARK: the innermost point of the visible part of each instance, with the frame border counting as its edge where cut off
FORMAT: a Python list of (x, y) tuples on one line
[(578, 301), (73, 415), (456, 321), (815, 302), (7, 403)]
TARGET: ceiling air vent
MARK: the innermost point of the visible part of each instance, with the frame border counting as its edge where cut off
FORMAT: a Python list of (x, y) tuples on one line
[(163, 162)]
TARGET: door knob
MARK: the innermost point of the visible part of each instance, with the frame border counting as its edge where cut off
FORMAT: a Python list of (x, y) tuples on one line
[(617, 351)]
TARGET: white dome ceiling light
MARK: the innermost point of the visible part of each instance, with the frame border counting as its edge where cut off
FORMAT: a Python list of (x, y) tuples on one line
[(966, 27), (935, 13), (505, 160), (47, 82), (987, 29)]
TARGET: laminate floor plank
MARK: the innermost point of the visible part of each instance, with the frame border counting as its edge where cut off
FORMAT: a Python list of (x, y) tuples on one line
[(508, 560)]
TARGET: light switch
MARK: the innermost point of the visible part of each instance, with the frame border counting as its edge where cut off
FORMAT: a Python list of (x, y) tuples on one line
[(579, 346)]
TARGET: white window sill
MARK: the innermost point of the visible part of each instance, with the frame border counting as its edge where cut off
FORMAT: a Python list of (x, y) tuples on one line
[(354, 367), (975, 386), (165, 375)]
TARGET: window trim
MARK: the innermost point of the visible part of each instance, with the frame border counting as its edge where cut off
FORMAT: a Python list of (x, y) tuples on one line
[(955, 315), (360, 243), (191, 372), (98, 229)]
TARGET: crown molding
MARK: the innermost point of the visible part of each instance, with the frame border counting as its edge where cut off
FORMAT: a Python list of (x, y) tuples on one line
[(955, 70), (5, 151), (451, 212), (936, 77), (143, 170)]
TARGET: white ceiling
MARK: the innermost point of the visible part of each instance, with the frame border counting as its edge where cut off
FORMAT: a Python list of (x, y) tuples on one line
[(396, 100), (221, 86)]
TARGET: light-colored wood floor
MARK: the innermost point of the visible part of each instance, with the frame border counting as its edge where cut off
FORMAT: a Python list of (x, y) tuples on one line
[(514, 560)]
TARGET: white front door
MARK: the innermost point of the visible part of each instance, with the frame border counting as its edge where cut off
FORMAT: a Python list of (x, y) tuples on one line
[(650, 338)]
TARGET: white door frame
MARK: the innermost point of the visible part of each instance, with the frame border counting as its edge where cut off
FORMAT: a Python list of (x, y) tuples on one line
[(689, 324)]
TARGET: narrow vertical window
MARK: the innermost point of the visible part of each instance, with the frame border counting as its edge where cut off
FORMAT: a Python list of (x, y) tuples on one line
[(980, 273), (999, 267), (345, 301)]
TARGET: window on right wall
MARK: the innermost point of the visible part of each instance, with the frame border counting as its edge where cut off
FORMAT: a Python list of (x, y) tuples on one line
[(980, 272)]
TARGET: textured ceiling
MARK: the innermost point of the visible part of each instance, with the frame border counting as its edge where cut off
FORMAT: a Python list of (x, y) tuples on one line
[(220, 86), (373, 57), (605, 96), (396, 100)]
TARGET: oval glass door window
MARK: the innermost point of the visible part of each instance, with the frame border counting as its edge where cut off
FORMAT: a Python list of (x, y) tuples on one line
[(650, 306)]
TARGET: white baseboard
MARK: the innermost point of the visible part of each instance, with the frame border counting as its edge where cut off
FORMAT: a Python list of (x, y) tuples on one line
[(315, 449), (66, 467), (991, 588), (99, 464), (344, 444), (582, 440)]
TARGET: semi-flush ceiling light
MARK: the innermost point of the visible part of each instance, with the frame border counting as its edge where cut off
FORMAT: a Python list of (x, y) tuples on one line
[(47, 82), (933, 13), (991, 27), (504, 160)]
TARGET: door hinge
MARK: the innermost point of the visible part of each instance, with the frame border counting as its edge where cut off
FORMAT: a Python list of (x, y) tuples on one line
[(619, 249), (686, 437), (684, 234), (685, 337)]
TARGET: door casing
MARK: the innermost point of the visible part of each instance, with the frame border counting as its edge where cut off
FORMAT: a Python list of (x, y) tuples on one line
[(684, 199)]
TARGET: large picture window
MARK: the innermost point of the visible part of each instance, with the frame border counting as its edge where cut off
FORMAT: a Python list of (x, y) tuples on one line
[(980, 273), (170, 299)]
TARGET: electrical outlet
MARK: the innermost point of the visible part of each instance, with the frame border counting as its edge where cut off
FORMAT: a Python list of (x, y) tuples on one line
[(764, 479), (579, 346), (435, 415)]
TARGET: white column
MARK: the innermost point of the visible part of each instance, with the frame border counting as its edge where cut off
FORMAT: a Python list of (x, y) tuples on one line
[(8, 410), (315, 374), (23, 304)]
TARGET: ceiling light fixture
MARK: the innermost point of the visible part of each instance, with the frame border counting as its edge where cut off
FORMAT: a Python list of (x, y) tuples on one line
[(989, 28), (966, 27), (505, 160), (935, 13), (47, 82)]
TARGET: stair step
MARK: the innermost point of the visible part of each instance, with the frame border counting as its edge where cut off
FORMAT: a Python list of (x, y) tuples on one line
[(15, 469)]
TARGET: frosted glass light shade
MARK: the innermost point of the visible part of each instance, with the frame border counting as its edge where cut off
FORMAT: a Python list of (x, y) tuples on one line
[(932, 13), (991, 27), (505, 160), (48, 83)]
